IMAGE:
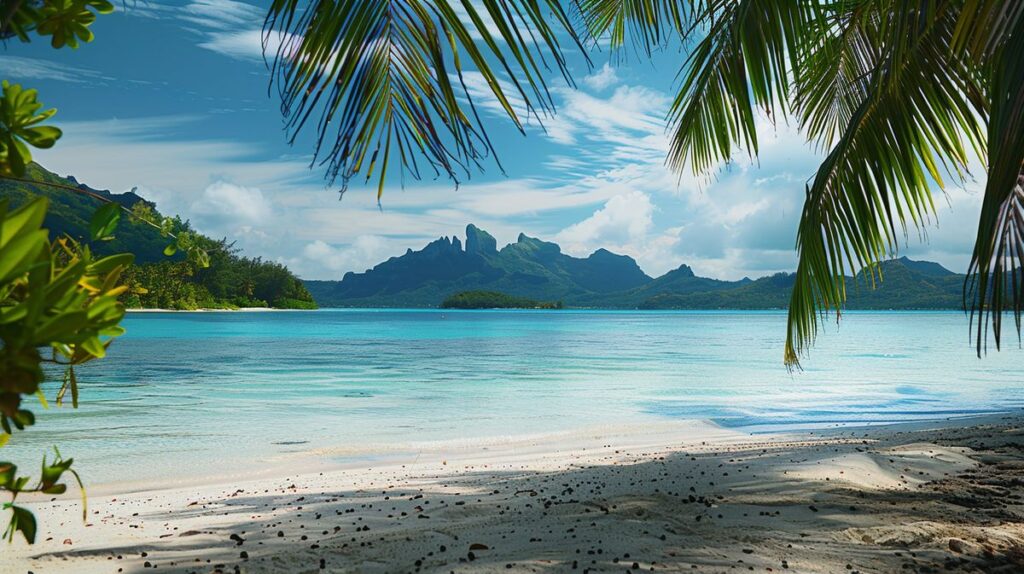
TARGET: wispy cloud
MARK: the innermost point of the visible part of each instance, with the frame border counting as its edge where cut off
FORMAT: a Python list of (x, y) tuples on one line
[(228, 27), (204, 13), (240, 44), (17, 67), (222, 14)]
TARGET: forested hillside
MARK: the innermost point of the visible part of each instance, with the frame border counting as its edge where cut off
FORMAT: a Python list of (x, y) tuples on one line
[(158, 280)]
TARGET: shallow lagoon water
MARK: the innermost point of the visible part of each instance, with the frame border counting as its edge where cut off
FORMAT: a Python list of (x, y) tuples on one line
[(210, 393)]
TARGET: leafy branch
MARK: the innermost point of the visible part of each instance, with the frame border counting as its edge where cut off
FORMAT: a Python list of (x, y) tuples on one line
[(49, 482), (52, 294)]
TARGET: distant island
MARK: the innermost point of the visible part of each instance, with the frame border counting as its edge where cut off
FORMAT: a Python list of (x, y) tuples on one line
[(494, 300), (536, 270), (159, 281)]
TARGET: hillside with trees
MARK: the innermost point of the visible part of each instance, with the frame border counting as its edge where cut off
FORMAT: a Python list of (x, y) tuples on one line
[(159, 280)]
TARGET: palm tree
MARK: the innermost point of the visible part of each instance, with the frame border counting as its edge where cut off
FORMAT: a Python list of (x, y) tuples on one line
[(903, 95)]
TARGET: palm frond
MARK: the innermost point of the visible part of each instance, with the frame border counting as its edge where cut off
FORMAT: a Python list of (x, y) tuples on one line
[(922, 119), (996, 272), (834, 71), (649, 24), (983, 27), (387, 78), (742, 64)]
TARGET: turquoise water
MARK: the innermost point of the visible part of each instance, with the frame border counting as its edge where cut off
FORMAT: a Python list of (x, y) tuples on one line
[(206, 393)]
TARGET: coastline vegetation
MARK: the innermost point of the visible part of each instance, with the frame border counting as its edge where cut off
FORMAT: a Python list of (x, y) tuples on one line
[(231, 282), (163, 276), (495, 300)]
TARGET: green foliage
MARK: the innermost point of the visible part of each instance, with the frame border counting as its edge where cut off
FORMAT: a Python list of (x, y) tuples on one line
[(293, 303), (66, 22), (183, 239), (229, 281), (177, 267), (20, 119), (997, 264), (494, 300), (104, 221), (648, 23), (71, 213), (387, 77), (56, 296)]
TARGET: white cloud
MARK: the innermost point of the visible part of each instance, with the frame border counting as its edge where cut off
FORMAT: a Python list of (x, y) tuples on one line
[(324, 260), (228, 27), (222, 13), (245, 44), (204, 13), (625, 219), (123, 153), (226, 208), (17, 67), (603, 78)]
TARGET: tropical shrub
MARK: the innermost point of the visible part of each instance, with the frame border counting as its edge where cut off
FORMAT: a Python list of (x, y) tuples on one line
[(58, 309)]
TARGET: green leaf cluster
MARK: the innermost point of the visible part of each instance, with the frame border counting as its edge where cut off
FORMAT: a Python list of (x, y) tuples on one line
[(58, 306), (20, 127), (65, 22)]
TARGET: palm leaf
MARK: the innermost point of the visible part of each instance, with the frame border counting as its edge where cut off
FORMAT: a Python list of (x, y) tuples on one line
[(835, 68), (996, 272), (386, 78), (922, 118), (648, 23), (743, 63)]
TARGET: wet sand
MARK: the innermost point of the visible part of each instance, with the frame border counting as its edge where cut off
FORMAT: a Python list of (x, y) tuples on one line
[(922, 497)]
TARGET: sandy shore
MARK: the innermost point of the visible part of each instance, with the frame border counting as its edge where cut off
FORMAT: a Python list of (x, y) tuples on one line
[(942, 496)]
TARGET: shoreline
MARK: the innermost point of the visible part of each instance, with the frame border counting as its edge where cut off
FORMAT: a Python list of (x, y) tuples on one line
[(646, 435), (929, 494), (237, 310)]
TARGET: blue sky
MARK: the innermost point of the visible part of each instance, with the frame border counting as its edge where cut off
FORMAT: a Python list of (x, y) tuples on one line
[(172, 98)]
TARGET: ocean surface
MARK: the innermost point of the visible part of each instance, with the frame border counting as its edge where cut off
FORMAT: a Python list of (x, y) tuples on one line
[(190, 394)]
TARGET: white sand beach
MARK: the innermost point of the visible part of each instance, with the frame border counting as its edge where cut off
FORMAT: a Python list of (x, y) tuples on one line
[(922, 497)]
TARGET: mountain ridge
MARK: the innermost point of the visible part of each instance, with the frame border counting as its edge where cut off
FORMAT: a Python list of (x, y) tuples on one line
[(536, 269)]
